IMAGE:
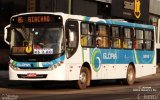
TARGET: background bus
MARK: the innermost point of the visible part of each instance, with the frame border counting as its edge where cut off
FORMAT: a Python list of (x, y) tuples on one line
[(62, 47)]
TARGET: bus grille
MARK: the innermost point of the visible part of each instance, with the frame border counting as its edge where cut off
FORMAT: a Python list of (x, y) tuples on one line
[(37, 76), (33, 67)]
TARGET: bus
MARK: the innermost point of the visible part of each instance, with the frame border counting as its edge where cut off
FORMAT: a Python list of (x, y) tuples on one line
[(56, 46)]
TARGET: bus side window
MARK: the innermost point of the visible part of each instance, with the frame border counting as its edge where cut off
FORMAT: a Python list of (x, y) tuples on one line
[(71, 37), (87, 34), (102, 35), (127, 40), (149, 40), (139, 39), (116, 39), (135, 44)]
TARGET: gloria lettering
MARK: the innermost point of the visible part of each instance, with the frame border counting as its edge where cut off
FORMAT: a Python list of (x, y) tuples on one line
[(109, 55)]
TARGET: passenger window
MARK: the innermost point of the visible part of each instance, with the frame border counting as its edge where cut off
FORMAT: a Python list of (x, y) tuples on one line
[(127, 41), (149, 40), (139, 39), (87, 34), (116, 39), (102, 36)]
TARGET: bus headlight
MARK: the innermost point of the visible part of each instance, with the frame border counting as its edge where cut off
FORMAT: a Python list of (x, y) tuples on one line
[(14, 67), (50, 68)]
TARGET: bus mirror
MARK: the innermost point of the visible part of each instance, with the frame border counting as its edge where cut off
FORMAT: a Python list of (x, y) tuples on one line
[(71, 36), (6, 33)]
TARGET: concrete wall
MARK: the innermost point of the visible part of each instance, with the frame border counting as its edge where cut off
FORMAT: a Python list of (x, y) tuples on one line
[(84, 7), (154, 7)]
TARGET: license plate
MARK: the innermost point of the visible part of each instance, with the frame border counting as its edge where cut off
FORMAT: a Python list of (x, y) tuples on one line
[(31, 75)]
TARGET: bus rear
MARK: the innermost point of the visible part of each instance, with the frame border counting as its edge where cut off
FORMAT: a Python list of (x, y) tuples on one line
[(37, 47)]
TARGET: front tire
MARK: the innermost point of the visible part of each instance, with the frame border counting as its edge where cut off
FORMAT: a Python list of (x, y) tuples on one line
[(130, 75), (84, 78)]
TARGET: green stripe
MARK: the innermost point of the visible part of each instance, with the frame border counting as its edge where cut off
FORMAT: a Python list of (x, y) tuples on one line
[(90, 55), (153, 58), (136, 57), (83, 54)]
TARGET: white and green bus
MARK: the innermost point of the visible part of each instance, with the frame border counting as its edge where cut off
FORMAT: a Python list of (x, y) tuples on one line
[(62, 47)]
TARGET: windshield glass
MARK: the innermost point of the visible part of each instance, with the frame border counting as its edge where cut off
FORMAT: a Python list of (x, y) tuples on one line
[(37, 41)]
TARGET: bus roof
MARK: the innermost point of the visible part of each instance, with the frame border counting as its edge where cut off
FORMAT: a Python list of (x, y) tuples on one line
[(128, 24)]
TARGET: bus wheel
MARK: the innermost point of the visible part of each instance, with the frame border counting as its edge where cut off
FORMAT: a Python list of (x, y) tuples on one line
[(130, 75), (84, 78)]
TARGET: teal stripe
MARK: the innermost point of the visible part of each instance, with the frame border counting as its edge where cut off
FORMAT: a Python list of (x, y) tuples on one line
[(86, 18)]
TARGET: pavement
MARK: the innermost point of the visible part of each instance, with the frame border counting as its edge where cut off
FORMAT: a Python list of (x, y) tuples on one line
[(158, 70), (4, 74)]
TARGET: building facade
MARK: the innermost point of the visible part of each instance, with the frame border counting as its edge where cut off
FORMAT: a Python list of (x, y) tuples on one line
[(154, 19), (130, 10)]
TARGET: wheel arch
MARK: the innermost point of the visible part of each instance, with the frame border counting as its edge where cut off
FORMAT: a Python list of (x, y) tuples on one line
[(85, 68), (87, 65)]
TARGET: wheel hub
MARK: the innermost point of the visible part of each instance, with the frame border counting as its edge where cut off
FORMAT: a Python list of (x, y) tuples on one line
[(83, 77), (130, 75)]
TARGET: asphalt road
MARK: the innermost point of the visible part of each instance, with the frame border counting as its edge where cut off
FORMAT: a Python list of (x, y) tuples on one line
[(146, 88)]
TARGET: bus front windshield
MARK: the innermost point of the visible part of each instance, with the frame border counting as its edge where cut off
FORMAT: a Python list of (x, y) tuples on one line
[(37, 41)]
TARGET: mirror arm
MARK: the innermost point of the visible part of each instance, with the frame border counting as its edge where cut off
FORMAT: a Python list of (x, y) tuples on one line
[(5, 34)]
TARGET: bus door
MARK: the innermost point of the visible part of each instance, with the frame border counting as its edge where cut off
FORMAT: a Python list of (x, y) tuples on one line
[(71, 37), (72, 52)]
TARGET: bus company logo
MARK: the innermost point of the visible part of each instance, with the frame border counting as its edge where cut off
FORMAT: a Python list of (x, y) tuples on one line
[(23, 64), (96, 59), (137, 8), (28, 49)]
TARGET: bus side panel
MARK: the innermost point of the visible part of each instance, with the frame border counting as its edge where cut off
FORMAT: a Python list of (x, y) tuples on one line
[(108, 63), (75, 63), (144, 70), (114, 71), (145, 63)]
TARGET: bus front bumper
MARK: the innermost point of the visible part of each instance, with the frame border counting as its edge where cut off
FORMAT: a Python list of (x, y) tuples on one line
[(57, 74)]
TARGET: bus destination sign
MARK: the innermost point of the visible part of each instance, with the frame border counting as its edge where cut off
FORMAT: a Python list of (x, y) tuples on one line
[(34, 19)]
